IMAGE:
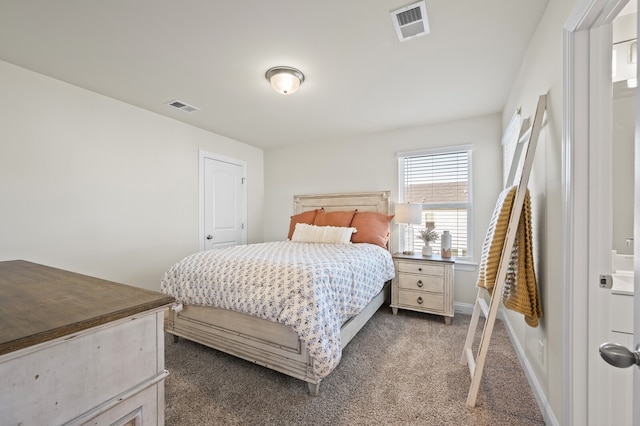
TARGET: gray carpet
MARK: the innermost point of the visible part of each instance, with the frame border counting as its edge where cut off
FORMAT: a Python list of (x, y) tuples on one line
[(401, 369)]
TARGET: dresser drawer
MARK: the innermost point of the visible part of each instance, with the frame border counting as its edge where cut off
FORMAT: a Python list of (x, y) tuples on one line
[(421, 282), (421, 268), (421, 301)]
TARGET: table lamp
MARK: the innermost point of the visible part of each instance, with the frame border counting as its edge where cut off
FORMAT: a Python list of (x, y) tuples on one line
[(409, 214)]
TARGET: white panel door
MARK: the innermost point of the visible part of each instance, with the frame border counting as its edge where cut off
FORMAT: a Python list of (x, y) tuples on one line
[(223, 207)]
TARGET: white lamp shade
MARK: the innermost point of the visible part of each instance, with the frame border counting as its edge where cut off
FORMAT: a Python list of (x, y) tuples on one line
[(409, 213)]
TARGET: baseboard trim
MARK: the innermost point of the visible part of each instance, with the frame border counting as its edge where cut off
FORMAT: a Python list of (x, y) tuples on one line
[(467, 309), (536, 388)]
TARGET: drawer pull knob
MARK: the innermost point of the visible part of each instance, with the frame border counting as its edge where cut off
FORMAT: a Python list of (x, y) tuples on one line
[(419, 301), (419, 283), (419, 269)]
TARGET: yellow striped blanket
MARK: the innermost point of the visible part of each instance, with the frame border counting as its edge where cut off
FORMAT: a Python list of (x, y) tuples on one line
[(520, 291)]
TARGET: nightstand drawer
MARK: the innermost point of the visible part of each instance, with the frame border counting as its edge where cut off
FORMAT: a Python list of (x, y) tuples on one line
[(421, 268), (434, 302), (421, 282)]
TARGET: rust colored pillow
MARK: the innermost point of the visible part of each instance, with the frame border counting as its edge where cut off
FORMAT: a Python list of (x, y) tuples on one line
[(305, 217), (373, 228), (338, 218)]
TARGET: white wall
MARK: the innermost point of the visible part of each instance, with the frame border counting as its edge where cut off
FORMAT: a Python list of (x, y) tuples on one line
[(370, 164), (542, 72), (624, 114), (99, 187)]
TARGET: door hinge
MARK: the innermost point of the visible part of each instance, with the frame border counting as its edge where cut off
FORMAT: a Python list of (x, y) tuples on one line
[(242, 180), (243, 226)]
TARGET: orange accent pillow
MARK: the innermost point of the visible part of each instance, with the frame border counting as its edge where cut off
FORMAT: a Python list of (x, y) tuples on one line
[(305, 217), (338, 218), (373, 228)]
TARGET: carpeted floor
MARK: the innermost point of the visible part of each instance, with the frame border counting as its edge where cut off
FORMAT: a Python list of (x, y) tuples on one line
[(399, 370)]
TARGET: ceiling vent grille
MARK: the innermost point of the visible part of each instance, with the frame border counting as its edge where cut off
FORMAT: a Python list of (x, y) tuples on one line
[(183, 106), (410, 21)]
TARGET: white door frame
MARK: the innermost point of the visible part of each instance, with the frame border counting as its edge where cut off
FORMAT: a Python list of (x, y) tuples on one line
[(586, 204), (202, 155)]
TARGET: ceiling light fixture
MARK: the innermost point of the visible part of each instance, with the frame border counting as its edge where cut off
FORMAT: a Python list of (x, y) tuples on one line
[(285, 80)]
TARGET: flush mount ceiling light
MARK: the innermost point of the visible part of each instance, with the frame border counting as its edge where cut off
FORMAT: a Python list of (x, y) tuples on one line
[(285, 80)]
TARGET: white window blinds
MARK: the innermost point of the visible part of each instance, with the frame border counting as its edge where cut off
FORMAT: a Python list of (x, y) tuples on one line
[(441, 182)]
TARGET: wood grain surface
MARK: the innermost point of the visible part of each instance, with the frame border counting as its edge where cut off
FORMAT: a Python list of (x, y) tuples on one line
[(39, 303)]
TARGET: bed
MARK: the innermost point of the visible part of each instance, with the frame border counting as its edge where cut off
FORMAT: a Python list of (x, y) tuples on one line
[(269, 335)]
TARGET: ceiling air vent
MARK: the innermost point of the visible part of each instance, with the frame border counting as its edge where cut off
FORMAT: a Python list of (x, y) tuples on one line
[(183, 106), (410, 21)]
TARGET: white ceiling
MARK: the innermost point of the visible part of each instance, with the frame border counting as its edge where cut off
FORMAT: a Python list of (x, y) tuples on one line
[(213, 55)]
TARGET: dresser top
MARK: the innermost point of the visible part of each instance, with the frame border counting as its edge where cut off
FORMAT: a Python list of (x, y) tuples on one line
[(39, 303)]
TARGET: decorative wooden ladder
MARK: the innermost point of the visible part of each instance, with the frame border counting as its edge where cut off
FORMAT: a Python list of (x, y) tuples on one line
[(530, 139)]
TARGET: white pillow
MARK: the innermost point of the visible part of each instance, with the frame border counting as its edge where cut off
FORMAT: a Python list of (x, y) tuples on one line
[(305, 233)]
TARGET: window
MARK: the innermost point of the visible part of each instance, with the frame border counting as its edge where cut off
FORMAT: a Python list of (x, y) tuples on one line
[(440, 180)]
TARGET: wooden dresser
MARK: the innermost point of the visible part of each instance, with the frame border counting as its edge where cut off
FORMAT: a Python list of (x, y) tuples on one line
[(79, 350), (423, 284)]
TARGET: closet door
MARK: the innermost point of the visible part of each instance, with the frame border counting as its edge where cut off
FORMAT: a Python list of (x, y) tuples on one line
[(223, 207)]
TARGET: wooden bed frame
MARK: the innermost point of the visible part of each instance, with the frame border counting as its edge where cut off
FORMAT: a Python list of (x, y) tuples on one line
[(268, 343)]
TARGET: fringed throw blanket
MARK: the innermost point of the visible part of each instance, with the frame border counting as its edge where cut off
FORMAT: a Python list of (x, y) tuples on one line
[(520, 291)]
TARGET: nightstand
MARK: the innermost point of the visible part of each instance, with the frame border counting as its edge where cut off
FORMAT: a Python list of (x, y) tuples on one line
[(424, 284)]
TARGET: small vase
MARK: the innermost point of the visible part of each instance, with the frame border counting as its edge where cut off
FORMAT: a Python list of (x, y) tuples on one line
[(426, 250), (446, 244)]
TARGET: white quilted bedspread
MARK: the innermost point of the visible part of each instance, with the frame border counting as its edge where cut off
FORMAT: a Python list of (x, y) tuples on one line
[(313, 288)]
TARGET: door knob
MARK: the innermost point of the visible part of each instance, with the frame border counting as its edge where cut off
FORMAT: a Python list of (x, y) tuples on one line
[(209, 237), (618, 355)]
